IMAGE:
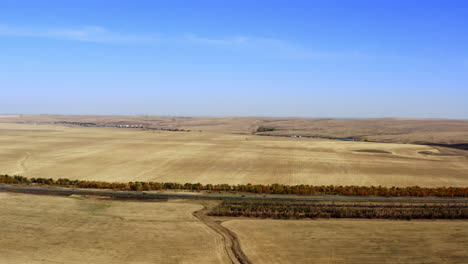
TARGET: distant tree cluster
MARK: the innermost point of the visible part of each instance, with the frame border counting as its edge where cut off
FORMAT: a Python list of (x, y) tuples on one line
[(265, 129), (413, 191), (298, 210)]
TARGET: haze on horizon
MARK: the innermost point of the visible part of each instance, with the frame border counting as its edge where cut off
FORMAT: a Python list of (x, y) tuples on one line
[(235, 58)]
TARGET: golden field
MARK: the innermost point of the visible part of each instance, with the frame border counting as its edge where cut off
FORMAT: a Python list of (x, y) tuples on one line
[(50, 229), (121, 155), (352, 241), (395, 130), (76, 229)]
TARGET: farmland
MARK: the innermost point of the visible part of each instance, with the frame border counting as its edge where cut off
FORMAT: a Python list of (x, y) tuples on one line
[(122, 155), (236, 157), (395, 130), (352, 241), (45, 229), (234, 132), (48, 228)]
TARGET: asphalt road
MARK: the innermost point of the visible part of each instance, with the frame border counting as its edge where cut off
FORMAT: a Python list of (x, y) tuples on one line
[(162, 195)]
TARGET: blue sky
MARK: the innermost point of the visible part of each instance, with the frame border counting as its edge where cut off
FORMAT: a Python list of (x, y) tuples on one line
[(235, 58)]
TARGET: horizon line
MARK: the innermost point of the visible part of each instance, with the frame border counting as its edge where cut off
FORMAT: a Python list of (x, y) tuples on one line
[(240, 116)]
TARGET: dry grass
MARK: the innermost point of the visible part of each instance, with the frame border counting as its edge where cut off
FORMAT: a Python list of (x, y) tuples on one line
[(48, 229), (351, 241), (398, 130), (112, 154)]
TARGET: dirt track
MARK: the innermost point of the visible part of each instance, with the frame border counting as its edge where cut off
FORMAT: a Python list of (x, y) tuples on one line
[(230, 239)]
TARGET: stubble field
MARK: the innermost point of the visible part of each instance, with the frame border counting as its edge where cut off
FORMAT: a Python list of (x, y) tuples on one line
[(50, 229), (395, 130), (122, 155), (352, 241)]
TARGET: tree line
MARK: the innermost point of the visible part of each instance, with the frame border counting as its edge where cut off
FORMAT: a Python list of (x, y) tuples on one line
[(412, 191), (265, 129), (298, 210)]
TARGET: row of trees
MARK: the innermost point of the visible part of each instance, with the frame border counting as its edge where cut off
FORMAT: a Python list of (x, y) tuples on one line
[(265, 129), (413, 191), (287, 210)]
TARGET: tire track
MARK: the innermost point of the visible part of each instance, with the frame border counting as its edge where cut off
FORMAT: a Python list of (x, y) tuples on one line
[(22, 163), (230, 239)]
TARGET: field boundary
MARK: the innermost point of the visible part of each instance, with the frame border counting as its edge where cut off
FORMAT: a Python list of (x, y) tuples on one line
[(300, 190), (346, 209), (133, 195)]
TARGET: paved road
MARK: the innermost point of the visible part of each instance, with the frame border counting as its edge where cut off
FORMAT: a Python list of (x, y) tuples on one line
[(162, 195)]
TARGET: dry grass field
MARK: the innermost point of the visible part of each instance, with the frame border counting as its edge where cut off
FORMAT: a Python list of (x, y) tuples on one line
[(50, 229), (352, 241), (397, 130), (121, 155)]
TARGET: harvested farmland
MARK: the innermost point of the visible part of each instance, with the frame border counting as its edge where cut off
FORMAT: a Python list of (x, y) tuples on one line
[(396, 130), (123, 155), (51, 229), (352, 241)]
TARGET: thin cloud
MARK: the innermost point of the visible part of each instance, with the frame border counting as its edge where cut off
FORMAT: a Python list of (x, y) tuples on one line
[(258, 46), (271, 47), (84, 34), (192, 38)]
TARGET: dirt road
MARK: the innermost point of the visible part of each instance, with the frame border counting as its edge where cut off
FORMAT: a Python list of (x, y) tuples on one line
[(230, 239)]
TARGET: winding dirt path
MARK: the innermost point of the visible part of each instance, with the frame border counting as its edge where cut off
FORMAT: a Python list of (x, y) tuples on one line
[(230, 239)]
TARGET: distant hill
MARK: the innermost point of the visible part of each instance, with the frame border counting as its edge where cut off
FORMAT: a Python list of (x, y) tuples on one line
[(398, 130)]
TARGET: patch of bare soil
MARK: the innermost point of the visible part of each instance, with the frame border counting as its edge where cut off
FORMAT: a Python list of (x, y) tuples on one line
[(434, 153), (445, 151), (379, 151)]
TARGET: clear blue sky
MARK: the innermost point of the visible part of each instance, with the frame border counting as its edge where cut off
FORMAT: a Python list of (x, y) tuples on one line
[(235, 58)]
